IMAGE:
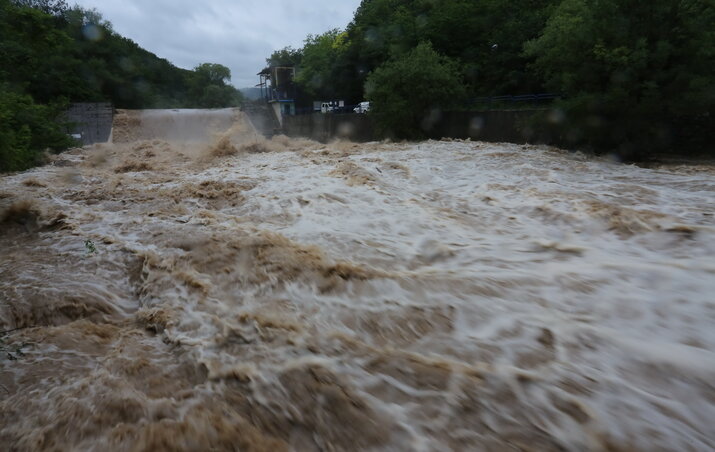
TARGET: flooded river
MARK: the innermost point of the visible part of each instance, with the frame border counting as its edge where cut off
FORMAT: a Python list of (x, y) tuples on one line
[(193, 286)]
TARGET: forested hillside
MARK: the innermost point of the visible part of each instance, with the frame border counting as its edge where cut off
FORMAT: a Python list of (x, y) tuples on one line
[(53, 54), (634, 77)]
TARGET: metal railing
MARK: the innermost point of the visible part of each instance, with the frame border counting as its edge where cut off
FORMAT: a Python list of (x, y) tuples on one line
[(519, 99), (336, 111), (490, 101), (276, 95)]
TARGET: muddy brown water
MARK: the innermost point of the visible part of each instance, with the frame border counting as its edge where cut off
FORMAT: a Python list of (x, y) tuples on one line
[(193, 286)]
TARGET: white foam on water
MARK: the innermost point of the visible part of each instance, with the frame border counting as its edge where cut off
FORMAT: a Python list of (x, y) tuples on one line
[(418, 296)]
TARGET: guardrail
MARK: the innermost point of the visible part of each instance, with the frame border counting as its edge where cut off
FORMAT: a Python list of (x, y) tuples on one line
[(509, 99), (337, 111), (540, 98)]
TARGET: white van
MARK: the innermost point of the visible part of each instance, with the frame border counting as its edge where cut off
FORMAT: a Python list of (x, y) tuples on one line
[(363, 107)]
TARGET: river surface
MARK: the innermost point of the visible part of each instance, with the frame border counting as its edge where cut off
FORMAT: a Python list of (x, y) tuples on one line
[(193, 286)]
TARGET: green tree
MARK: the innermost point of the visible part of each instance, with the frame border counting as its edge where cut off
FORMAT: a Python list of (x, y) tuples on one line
[(37, 56), (212, 74), (287, 56), (27, 129), (215, 96), (637, 78), (320, 61), (406, 93), (208, 87), (54, 7)]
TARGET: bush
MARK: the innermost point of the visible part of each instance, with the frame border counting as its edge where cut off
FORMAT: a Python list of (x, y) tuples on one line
[(26, 130)]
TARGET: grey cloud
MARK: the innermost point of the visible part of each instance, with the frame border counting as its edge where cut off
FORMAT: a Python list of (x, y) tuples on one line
[(239, 34)]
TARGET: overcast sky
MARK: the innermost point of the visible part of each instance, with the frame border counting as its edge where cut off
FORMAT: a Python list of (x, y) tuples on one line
[(239, 34)]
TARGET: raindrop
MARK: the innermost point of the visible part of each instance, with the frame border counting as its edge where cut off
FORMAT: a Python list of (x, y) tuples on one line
[(92, 32), (475, 126)]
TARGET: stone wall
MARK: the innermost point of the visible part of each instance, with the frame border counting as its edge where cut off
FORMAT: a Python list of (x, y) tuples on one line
[(324, 127), (511, 126), (496, 126), (91, 121), (262, 117)]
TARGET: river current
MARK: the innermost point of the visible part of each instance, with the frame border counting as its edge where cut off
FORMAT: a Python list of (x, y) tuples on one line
[(194, 286)]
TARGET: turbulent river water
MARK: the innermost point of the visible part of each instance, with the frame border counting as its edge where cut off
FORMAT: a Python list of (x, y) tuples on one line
[(194, 286)]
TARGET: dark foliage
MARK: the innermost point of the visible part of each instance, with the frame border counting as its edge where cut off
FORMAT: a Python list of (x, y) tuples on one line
[(638, 78), (635, 78)]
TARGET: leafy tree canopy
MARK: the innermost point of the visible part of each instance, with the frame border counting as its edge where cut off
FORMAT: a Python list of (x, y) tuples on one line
[(287, 56), (319, 67), (407, 93), (212, 74), (636, 77)]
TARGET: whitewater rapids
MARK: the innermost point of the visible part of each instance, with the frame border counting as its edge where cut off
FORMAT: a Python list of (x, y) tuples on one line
[(193, 286)]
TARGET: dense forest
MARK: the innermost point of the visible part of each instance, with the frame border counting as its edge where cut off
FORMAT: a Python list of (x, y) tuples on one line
[(633, 77), (53, 54)]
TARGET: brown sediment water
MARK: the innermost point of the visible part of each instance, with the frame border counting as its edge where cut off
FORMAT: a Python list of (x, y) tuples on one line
[(194, 286)]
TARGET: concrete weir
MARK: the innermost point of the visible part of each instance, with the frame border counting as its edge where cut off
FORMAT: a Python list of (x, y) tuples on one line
[(90, 122)]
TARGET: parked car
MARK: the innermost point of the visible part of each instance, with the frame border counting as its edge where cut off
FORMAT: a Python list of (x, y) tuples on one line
[(363, 107), (336, 106)]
